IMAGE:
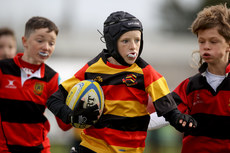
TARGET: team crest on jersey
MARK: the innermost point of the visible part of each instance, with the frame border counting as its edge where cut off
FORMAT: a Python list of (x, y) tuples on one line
[(130, 80), (98, 79), (38, 88)]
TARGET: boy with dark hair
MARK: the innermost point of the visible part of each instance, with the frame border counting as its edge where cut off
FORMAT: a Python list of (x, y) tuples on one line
[(25, 85)]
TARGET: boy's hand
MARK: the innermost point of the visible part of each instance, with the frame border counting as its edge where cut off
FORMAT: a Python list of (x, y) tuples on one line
[(181, 122), (185, 123), (83, 116)]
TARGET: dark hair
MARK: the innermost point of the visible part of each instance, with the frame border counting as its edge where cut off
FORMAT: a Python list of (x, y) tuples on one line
[(7, 31), (38, 22)]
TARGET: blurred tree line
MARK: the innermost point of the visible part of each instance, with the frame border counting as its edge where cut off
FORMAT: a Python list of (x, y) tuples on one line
[(177, 18)]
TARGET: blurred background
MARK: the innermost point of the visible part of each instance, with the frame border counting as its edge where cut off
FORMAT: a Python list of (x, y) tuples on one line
[(168, 45)]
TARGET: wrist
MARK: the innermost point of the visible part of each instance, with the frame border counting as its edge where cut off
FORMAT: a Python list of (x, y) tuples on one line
[(172, 115)]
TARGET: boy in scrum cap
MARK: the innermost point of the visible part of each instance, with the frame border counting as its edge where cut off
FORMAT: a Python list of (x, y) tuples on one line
[(127, 81)]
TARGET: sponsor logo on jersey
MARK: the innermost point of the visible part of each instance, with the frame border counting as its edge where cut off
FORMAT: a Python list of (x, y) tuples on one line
[(11, 84), (38, 88), (130, 80), (197, 100)]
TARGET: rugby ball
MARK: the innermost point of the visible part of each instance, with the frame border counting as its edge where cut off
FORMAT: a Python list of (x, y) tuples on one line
[(92, 93)]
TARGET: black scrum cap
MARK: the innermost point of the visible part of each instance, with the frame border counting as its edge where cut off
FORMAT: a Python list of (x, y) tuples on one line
[(114, 26)]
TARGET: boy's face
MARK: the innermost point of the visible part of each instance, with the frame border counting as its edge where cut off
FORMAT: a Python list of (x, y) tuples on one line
[(8, 46), (214, 49), (128, 46), (39, 46)]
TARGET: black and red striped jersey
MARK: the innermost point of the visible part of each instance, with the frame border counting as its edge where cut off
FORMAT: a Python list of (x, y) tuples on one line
[(123, 125), (210, 108), (23, 126)]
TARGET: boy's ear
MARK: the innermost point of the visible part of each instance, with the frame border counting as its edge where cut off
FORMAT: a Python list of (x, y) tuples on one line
[(24, 41), (228, 46)]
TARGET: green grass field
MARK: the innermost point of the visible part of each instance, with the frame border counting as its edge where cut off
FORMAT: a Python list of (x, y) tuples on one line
[(164, 140)]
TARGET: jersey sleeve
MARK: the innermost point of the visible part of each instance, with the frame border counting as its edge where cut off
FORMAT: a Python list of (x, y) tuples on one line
[(155, 121), (53, 87), (156, 86), (57, 102)]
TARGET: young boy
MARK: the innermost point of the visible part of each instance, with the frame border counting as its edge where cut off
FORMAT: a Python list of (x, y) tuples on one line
[(25, 85), (127, 81), (206, 95), (8, 45)]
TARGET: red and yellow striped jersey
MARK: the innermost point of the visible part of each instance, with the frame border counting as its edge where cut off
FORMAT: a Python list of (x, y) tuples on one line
[(123, 125)]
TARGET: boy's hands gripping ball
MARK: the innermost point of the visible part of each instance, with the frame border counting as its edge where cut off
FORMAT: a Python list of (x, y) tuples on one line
[(86, 99)]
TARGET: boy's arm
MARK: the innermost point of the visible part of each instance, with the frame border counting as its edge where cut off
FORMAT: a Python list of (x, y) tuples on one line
[(167, 107), (56, 104), (155, 121), (53, 87), (181, 122), (57, 101)]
